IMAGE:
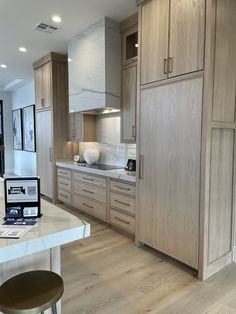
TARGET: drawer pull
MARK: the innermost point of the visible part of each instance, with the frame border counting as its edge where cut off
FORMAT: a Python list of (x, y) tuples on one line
[(122, 203), (61, 172), (63, 195), (121, 188), (121, 220), (90, 192), (88, 205), (87, 179), (62, 183)]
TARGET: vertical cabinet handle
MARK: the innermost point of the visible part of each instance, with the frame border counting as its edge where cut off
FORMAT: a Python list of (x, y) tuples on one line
[(133, 131), (50, 154), (165, 66), (170, 65), (141, 167)]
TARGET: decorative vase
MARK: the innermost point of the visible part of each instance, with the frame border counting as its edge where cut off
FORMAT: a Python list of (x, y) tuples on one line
[(91, 155)]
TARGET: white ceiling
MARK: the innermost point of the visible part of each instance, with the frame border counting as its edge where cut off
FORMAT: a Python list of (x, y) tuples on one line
[(18, 17)]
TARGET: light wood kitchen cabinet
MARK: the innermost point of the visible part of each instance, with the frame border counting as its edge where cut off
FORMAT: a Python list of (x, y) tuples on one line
[(44, 151), (64, 185), (43, 86), (108, 199), (51, 123), (172, 35), (130, 44), (82, 127), (90, 194), (154, 35), (128, 104), (169, 188), (186, 125), (122, 205), (129, 28)]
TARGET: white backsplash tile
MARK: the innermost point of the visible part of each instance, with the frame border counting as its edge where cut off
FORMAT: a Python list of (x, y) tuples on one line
[(108, 142)]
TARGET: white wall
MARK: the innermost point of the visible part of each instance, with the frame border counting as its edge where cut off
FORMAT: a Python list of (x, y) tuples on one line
[(108, 142), (24, 162), (7, 122)]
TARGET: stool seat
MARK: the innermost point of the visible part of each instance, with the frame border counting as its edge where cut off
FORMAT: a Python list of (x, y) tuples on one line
[(31, 292)]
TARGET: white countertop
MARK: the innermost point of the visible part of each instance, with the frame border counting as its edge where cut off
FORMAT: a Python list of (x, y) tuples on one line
[(56, 227), (120, 174)]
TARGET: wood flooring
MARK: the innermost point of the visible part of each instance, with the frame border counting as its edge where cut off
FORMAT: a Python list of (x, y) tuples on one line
[(106, 273)]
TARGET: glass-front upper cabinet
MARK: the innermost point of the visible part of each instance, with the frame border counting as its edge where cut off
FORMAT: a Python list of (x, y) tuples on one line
[(130, 45)]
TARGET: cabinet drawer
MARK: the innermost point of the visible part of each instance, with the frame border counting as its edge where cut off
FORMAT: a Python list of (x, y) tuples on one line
[(90, 206), (124, 188), (65, 173), (122, 220), (83, 177), (90, 191), (64, 196), (64, 184), (123, 202)]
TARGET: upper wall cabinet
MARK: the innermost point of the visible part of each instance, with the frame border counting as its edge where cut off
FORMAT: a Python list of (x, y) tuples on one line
[(82, 127), (130, 45), (129, 33), (172, 38), (43, 86)]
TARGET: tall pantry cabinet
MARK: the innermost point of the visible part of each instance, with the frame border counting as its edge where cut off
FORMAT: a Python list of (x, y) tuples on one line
[(186, 130), (51, 91)]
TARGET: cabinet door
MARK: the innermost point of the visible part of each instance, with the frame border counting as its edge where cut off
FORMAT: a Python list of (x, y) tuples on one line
[(44, 151), (39, 88), (128, 105), (154, 40), (187, 25), (130, 45), (43, 87), (76, 126), (168, 191), (47, 85)]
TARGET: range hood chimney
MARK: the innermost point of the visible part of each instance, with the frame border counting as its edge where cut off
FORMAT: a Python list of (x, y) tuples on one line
[(95, 68)]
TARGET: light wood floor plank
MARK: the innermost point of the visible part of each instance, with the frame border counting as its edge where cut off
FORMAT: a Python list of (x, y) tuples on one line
[(107, 274)]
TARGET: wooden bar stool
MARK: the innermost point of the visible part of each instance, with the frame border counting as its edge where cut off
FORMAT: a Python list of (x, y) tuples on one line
[(32, 292)]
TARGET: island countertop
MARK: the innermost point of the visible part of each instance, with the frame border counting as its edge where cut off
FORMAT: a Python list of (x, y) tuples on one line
[(55, 228), (120, 174)]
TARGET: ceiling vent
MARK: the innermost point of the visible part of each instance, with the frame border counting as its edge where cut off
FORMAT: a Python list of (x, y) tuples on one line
[(46, 28)]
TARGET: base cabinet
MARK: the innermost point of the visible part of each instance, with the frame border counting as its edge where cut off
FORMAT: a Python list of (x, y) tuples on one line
[(64, 185), (122, 205), (110, 200)]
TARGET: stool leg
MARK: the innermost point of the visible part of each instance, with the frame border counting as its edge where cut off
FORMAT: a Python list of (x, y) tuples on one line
[(54, 309)]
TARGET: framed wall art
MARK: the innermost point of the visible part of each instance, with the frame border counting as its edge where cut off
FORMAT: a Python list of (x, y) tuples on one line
[(29, 129), (17, 129)]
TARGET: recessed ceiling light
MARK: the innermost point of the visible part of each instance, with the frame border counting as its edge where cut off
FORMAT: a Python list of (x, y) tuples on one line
[(3, 66), (22, 49), (56, 19), (69, 60), (136, 45)]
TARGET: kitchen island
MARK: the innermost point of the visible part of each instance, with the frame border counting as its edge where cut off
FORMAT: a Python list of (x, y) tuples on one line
[(40, 247)]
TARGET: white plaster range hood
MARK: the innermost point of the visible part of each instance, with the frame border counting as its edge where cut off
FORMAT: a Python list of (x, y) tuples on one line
[(94, 68)]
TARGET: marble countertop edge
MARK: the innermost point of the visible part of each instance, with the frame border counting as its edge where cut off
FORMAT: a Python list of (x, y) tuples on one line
[(120, 174), (38, 244)]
